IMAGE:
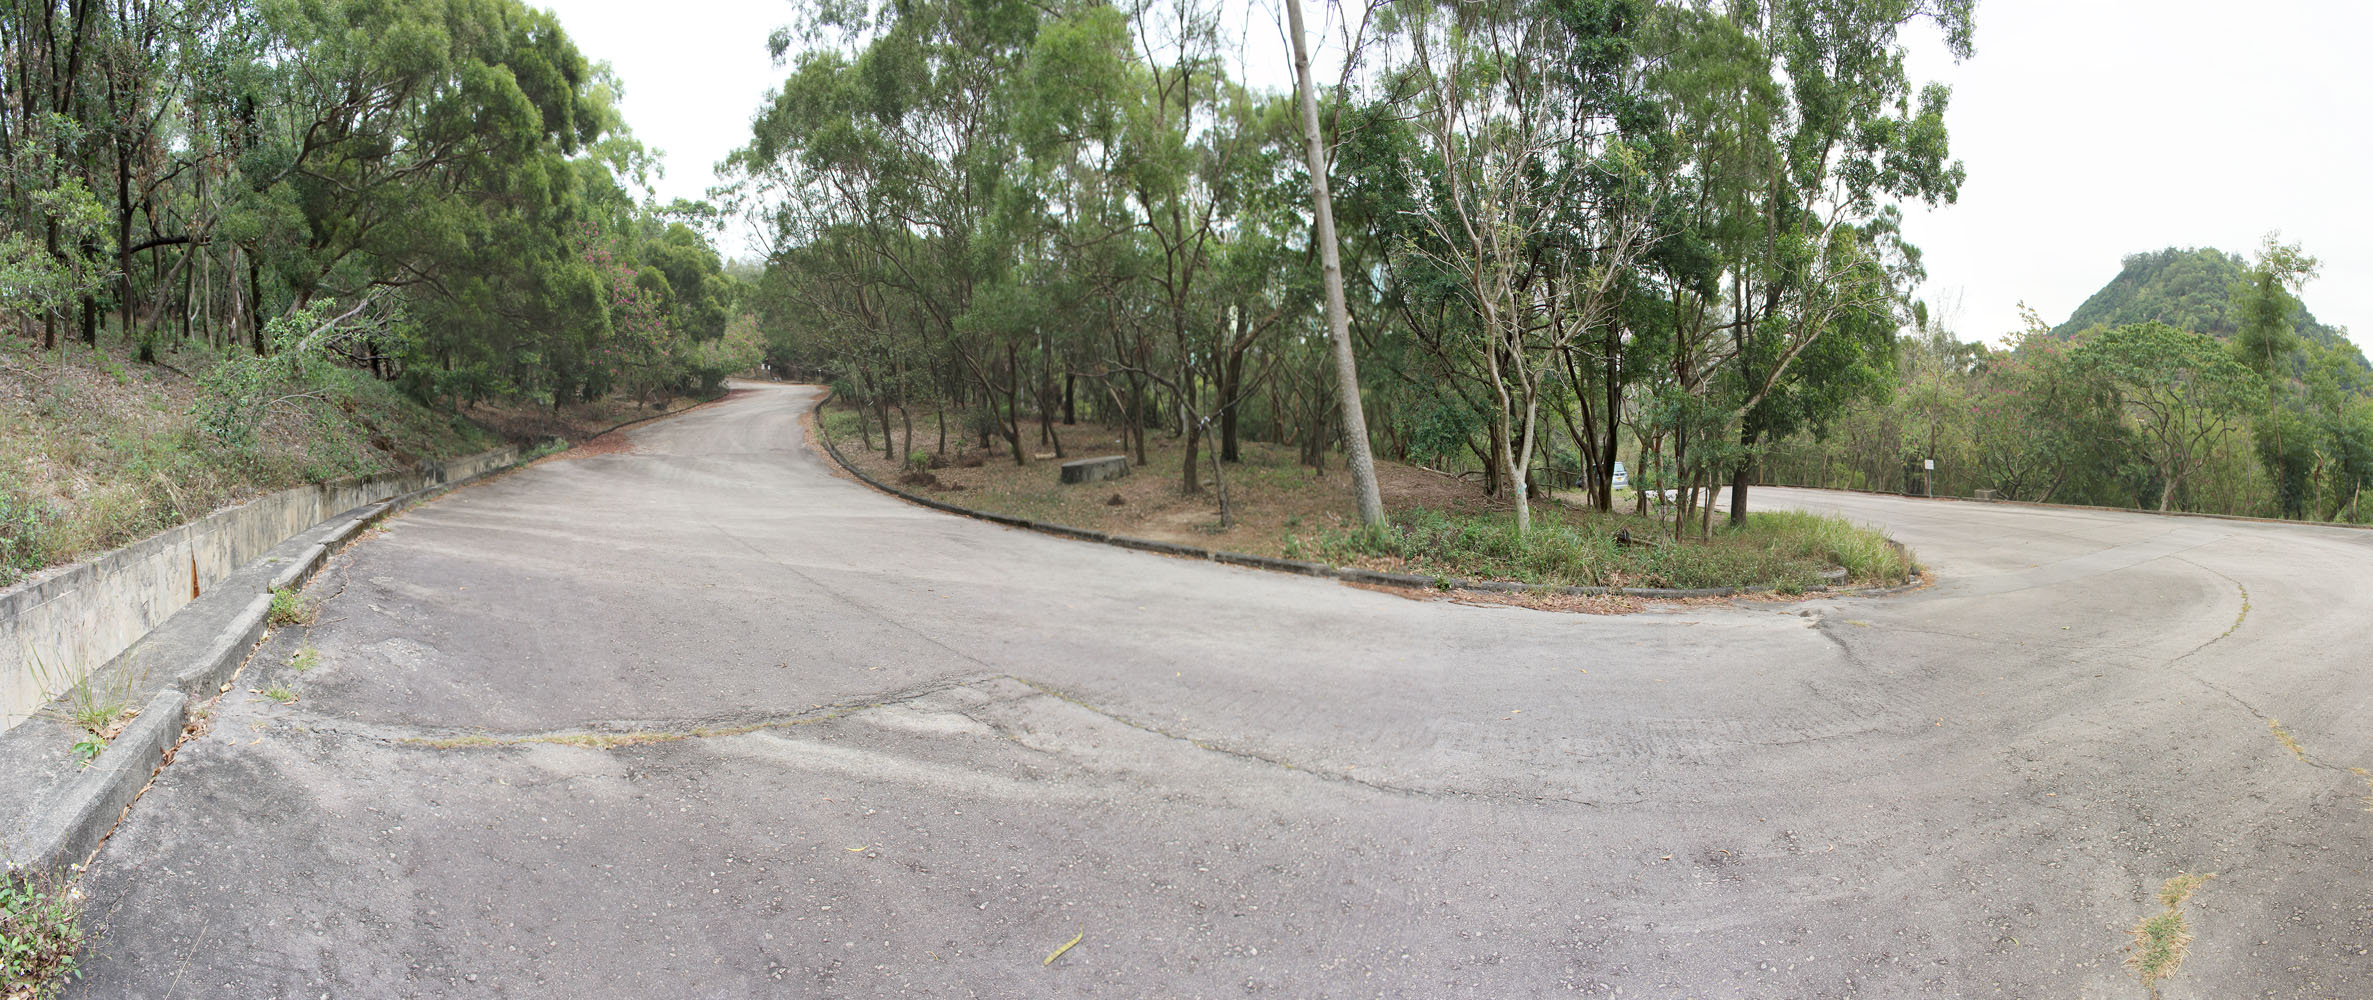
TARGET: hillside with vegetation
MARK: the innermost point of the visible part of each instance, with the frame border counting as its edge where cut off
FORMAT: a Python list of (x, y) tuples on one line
[(2194, 381), (2189, 289), (245, 245)]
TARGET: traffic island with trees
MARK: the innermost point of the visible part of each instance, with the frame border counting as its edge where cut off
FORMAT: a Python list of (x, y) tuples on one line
[(1273, 501), (1567, 235)]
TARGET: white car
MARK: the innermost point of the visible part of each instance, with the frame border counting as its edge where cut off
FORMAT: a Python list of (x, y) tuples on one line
[(1622, 479)]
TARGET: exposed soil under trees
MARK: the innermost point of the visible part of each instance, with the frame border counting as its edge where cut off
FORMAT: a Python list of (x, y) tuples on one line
[(1278, 506), (1271, 495)]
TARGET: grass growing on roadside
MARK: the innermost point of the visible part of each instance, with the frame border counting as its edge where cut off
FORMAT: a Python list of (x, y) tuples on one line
[(305, 659), (98, 450), (2162, 939), (1442, 525), (291, 608), (40, 934), (281, 693), (1784, 550), (100, 706)]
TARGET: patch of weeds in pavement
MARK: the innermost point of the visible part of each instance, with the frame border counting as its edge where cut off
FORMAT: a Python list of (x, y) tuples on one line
[(292, 608), (2162, 939), (281, 693), (100, 708), (305, 659), (2284, 737), (40, 934), (88, 749), (612, 741)]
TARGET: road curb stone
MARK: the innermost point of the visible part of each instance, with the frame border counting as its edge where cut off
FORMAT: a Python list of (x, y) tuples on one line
[(65, 829), (1347, 574)]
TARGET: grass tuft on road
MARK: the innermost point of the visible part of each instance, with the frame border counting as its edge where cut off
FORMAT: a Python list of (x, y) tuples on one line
[(2161, 940)]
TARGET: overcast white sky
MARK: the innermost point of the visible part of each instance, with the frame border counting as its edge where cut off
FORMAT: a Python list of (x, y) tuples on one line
[(2090, 130)]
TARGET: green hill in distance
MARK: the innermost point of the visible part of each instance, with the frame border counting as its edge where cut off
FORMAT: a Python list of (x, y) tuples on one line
[(2186, 288)]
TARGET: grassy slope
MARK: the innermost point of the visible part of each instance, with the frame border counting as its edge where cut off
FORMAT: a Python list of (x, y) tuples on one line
[(1441, 525), (98, 449)]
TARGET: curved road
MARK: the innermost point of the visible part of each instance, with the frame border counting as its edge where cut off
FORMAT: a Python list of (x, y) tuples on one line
[(700, 719)]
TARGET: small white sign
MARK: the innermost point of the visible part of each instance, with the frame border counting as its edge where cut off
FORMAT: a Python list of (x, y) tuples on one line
[(1929, 464)]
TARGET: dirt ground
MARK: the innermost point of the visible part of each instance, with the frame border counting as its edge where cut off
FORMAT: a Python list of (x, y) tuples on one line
[(527, 420), (1271, 496)]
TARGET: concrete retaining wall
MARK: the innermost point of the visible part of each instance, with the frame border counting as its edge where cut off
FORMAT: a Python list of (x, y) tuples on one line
[(59, 627)]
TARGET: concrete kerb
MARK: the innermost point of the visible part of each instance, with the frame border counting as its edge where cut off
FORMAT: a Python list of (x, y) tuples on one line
[(204, 678), (2000, 501), (68, 829), (1348, 574)]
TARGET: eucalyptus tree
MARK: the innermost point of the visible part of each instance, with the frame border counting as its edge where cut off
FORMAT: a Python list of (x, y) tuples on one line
[(1540, 195), (1347, 380), (1818, 248), (903, 134)]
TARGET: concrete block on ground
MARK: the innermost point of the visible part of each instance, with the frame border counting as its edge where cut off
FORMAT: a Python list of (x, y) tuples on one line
[(1089, 470)]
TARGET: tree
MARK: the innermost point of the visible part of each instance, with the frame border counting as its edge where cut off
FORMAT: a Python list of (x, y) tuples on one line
[(1855, 141), (1540, 209), (1347, 379), (2264, 300), (2179, 388)]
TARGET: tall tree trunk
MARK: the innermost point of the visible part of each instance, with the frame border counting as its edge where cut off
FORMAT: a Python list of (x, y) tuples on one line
[(1614, 428), (1136, 415), (1749, 432), (1231, 383), (1013, 404), (255, 307), (1190, 480), (1347, 378)]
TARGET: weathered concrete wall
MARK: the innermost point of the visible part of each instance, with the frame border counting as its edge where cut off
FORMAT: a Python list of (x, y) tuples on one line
[(58, 627)]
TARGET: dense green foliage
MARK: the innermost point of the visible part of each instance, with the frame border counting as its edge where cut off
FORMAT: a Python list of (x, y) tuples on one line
[(41, 934), (2261, 420), (436, 191), (1789, 549), (1572, 229)]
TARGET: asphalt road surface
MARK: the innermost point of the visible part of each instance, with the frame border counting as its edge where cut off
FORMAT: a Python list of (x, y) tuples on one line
[(702, 720)]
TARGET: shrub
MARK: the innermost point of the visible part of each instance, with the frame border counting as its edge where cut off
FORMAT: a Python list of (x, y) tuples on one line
[(24, 530), (40, 934), (1787, 551), (291, 608)]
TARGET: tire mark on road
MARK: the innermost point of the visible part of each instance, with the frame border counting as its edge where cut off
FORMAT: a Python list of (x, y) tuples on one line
[(2274, 725)]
